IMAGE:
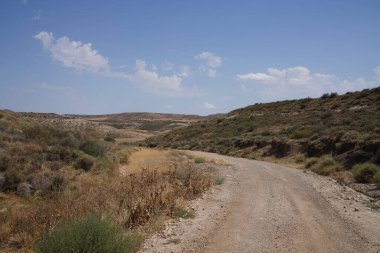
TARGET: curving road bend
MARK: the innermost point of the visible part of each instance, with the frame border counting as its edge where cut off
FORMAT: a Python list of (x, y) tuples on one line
[(266, 207)]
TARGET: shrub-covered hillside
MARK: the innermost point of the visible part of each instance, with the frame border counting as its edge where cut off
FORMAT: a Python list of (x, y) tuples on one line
[(346, 127), (32, 154)]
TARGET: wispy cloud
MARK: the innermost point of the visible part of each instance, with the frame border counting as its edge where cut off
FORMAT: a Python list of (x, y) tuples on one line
[(167, 66), (299, 81), (208, 105), (81, 56), (377, 74), (38, 16), (212, 62), (73, 54), (184, 71)]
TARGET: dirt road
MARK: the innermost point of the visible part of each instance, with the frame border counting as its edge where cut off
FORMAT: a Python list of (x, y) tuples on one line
[(265, 207)]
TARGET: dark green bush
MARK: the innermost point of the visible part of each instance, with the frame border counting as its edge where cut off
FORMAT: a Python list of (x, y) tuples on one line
[(109, 138), (11, 179), (376, 178), (89, 234), (70, 142), (301, 133), (84, 163), (94, 148), (365, 172)]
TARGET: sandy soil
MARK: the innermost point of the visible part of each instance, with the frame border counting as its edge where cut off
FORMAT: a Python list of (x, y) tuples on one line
[(266, 207)]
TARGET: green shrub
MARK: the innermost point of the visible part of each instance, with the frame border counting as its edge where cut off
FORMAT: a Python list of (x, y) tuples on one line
[(218, 180), (89, 234), (70, 142), (84, 163), (376, 178), (3, 125), (365, 172), (185, 214), (301, 133), (199, 160), (311, 162), (324, 165), (11, 179), (300, 158), (94, 148), (124, 155), (109, 138)]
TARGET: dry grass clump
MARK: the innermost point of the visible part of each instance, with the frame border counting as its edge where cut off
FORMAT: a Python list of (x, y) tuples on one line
[(131, 201), (324, 165)]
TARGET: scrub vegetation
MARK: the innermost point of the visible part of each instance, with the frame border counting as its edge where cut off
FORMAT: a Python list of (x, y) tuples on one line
[(335, 132)]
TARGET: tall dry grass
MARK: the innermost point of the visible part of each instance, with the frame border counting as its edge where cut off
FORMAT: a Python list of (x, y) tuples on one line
[(130, 201)]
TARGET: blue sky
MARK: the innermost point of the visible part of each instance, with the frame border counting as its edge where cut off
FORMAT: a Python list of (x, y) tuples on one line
[(193, 57)]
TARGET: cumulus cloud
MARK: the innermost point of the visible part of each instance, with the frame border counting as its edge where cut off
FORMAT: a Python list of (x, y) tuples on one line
[(296, 82), (184, 71), (81, 56), (212, 62), (153, 80), (72, 54), (208, 105), (377, 73), (167, 66)]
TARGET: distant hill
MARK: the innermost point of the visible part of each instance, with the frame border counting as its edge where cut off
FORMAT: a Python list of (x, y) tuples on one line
[(160, 122), (345, 126)]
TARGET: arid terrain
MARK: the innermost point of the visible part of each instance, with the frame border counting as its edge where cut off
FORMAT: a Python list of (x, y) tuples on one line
[(265, 207), (300, 176)]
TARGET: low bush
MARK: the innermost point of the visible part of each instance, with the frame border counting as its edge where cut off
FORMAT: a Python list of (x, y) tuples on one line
[(109, 138), (184, 213), (199, 160), (324, 165), (84, 163), (365, 172), (300, 158), (89, 234), (123, 155), (301, 133), (376, 179), (94, 148), (218, 180), (11, 180), (70, 142), (311, 162)]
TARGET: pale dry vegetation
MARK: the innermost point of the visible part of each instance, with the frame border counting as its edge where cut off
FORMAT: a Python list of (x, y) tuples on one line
[(50, 177), (131, 201)]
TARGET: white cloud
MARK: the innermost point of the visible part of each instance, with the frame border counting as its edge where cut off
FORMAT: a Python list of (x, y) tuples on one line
[(167, 66), (153, 80), (208, 105), (211, 72), (296, 82), (77, 55), (212, 62), (184, 71), (377, 73), (260, 77), (73, 54), (37, 17)]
